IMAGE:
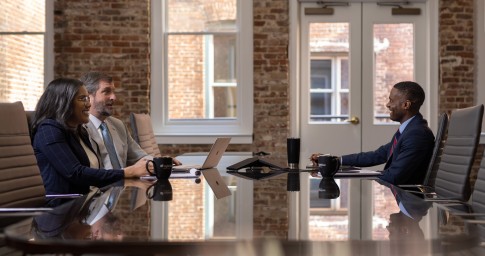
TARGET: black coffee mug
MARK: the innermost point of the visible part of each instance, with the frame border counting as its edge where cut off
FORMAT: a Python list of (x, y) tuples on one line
[(328, 188), (160, 191), (162, 167), (328, 165)]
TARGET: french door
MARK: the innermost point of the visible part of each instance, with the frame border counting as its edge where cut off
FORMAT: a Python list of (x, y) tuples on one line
[(349, 62), (351, 55)]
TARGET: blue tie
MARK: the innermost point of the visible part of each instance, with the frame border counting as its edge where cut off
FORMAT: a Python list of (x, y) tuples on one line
[(110, 147)]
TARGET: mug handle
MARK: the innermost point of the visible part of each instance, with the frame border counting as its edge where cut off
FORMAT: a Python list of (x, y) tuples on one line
[(148, 169), (148, 191), (338, 162)]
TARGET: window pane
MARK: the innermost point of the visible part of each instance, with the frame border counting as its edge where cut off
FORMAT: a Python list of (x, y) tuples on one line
[(186, 77), (321, 103), (321, 74), (394, 62), (201, 16), (192, 93), (225, 102), (22, 65), (329, 72), (225, 59), (201, 59), (20, 16)]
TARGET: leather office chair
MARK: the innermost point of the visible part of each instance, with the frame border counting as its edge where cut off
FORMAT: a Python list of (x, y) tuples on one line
[(453, 175), (476, 206), (22, 191), (141, 124), (20, 181), (439, 144), (435, 160), (30, 117)]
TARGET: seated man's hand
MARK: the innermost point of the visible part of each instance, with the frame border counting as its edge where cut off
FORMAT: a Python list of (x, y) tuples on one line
[(176, 161), (314, 158)]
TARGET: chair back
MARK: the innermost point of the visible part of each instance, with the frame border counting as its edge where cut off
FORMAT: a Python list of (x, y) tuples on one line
[(478, 195), (439, 143), (141, 124), (20, 181), (453, 176), (30, 119)]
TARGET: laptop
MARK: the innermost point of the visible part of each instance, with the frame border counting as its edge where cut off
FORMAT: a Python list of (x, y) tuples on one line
[(212, 160)]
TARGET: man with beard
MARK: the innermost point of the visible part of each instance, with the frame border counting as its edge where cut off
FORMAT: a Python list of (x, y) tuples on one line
[(109, 135), (408, 153)]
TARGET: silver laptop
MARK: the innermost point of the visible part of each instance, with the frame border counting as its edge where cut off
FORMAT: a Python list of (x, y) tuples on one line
[(212, 160)]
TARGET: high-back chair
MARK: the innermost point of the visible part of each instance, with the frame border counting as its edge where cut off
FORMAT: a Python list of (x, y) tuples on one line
[(453, 175), (20, 181), (439, 144), (141, 124), (476, 206), (22, 191)]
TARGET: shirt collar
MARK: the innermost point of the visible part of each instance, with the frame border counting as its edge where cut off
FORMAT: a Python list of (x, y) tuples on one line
[(405, 124), (95, 121)]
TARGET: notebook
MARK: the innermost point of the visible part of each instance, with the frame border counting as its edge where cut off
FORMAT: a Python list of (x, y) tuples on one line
[(212, 160)]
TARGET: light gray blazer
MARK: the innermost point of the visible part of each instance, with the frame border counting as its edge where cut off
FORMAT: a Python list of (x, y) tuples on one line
[(128, 151)]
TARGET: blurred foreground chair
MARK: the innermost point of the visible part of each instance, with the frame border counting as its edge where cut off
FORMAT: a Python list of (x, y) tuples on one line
[(21, 188), (22, 191), (20, 181), (141, 124)]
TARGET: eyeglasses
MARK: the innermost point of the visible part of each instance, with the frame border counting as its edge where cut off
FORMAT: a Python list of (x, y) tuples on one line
[(84, 99)]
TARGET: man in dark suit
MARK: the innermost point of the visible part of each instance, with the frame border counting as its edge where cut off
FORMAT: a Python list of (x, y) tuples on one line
[(408, 153)]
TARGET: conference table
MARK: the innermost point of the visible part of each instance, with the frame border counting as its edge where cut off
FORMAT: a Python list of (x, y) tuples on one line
[(261, 211)]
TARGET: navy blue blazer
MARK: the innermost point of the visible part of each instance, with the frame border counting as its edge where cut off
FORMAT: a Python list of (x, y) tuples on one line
[(63, 163), (410, 159)]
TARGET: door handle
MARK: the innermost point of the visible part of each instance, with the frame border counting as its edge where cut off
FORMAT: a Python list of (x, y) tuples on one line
[(353, 120)]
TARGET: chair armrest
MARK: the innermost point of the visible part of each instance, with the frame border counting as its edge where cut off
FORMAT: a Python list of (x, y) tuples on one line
[(413, 186), (464, 214), (430, 195), (23, 211), (444, 200), (63, 196), (474, 221)]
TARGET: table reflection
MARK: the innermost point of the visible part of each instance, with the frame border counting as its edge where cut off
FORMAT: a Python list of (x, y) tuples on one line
[(291, 205), (161, 190), (328, 188)]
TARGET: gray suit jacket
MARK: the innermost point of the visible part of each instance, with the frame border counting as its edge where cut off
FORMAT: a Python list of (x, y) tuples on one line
[(127, 149)]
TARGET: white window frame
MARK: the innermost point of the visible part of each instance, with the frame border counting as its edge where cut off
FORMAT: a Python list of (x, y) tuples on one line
[(202, 131), (211, 83), (49, 43), (336, 86)]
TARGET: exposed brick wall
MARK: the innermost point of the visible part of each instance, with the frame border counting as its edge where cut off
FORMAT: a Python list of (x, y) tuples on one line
[(457, 59), (111, 36)]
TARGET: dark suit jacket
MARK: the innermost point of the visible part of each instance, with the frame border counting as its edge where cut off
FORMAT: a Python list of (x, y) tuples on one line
[(410, 159), (63, 163)]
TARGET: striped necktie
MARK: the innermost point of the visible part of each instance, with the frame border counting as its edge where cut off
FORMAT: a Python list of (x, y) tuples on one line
[(394, 141), (110, 147)]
